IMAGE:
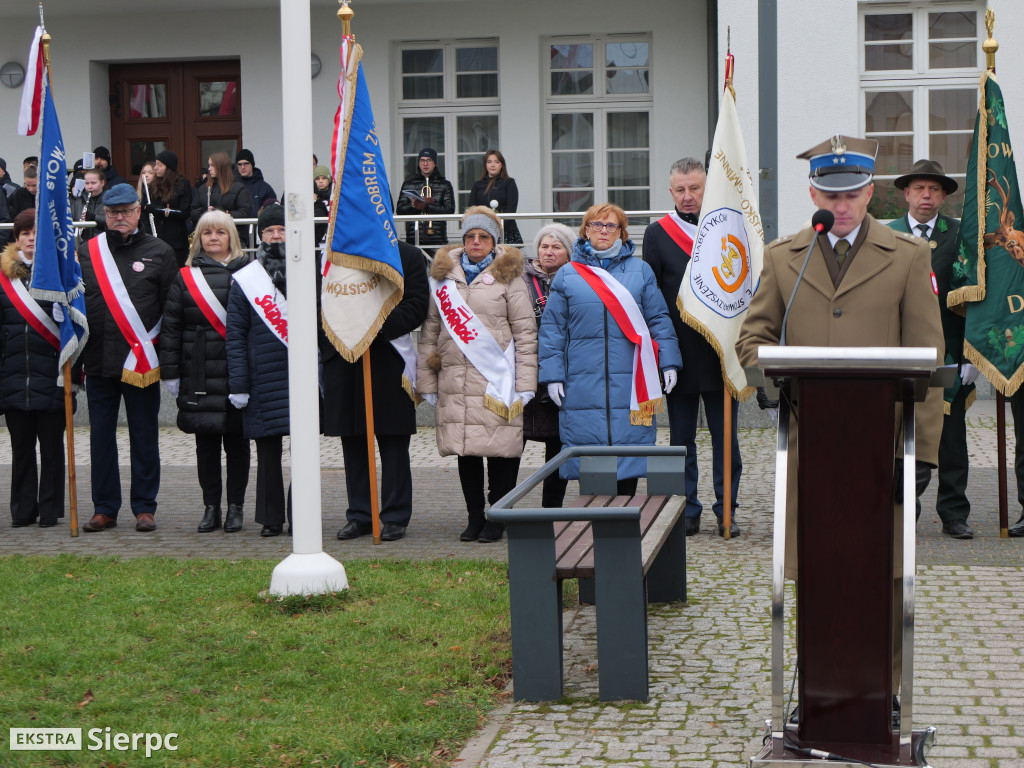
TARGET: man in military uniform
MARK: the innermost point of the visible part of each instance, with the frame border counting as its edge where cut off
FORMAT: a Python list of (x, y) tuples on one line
[(925, 189)]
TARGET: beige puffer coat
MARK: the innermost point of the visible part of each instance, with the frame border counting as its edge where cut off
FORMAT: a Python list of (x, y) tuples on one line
[(499, 297)]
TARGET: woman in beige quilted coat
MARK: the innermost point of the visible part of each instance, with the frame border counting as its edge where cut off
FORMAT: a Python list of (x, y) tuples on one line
[(473, 423)]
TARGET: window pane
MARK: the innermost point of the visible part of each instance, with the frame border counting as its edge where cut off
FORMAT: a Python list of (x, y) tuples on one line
[(628, 81), (630, 199), (421, 61), (626, 55), (148, 101), (420, 132), (952, 110), (952, 24), (477, 133), (144, 152), (572, 131), (889, 111), (572, 56), (476, 86), (888, 26), (423, 87), (572, 200), (895, 155), (208, 146), (882, 57), (887, 202), (571, 83), (476, 59), (218, 99), (629, 169), (628, 129), (471, 168), (572, 169), (951, 150), (952, 55)]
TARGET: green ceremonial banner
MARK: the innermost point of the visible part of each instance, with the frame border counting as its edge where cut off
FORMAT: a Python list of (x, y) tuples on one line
[(988, 276)]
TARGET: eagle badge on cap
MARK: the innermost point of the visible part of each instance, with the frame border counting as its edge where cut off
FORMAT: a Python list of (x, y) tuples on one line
[(838, 145)]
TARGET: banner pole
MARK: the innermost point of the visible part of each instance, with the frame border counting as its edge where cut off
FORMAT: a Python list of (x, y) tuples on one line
[(69, 427), (1004, 523), (371, 459), (727, 463)]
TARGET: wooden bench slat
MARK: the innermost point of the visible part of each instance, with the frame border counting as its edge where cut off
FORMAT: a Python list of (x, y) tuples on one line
[(657, 535), (585, 568)]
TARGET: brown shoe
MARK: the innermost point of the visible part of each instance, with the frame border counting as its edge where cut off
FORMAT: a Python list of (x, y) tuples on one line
[(144, 523), (99, 523)]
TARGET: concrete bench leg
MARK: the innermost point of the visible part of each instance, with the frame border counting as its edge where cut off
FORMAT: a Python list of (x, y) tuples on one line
[(535, 598), (666, 578), (621, 611), (586, 590)]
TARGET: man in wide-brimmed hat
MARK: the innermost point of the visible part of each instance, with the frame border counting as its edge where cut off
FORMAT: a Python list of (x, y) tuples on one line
[(925, 188)]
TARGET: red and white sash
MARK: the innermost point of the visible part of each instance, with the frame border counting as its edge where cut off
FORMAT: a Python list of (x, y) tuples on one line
[(645, 394), (682, 232), (142, 366), (480, 348), (204, 297), (271, 306), (29, 309)]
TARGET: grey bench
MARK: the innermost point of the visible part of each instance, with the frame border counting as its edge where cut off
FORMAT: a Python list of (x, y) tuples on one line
[(633, 550)]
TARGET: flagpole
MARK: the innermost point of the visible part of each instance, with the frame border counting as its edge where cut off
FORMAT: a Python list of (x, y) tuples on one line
[(371, 458), (730, 65), (69, 418)]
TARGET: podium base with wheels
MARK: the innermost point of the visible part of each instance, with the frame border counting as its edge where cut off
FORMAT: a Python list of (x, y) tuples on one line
[(777, 754)]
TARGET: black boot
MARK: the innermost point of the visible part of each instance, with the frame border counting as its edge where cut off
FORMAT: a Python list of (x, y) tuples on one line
[(233, 522), (211, 519), (476, 524), (492, 532)]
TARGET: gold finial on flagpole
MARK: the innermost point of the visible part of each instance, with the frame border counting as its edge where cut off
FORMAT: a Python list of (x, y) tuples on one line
[(345, 14), (45, 40), (990, 46)]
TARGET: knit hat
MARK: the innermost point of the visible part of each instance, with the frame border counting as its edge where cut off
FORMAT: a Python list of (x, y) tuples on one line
[(560, 232), (3, 164), (168, 158), (321, 170), (481, 217), (102, 152), (428, 152), (272, 215), (245, 154)]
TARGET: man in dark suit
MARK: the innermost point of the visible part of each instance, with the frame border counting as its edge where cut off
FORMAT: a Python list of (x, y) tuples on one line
[(925, 189), (667, 247)]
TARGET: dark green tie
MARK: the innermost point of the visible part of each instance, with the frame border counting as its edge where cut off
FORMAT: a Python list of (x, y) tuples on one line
[(842, 247), (923, 229)]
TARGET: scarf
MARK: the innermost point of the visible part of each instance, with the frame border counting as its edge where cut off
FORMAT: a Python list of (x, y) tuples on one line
[(471, 269)]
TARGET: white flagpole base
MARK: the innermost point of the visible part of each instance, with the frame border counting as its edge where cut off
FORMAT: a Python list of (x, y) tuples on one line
[(308, 574)]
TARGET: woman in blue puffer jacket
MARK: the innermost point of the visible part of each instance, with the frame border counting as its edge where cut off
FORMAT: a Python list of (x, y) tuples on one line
[(586, 361)]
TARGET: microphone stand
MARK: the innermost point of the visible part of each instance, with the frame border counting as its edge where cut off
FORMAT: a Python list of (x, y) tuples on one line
[(799, 278)]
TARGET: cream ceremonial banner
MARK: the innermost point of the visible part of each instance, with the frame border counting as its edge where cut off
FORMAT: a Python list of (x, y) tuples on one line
[(725, 266)]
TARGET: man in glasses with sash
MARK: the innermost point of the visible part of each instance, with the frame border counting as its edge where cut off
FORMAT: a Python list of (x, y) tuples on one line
[(127, 275)]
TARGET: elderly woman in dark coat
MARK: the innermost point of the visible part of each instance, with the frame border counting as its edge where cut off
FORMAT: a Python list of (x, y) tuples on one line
[(29, 395), (258, 363), (194, 366), (554, 245)]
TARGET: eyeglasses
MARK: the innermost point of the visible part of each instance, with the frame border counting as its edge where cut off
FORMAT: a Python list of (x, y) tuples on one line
[(243, 162), (121, 213), (481, 237), (599, 226)]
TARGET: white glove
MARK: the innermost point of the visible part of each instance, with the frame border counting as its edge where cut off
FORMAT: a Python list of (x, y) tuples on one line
[(239, 401), (556, 392), (671, 377), (431, 398), (173, 386), (58, 313), (969, 374), (526, 397)]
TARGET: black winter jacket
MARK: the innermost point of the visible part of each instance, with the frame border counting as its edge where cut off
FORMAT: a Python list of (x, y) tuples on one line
[(194, 352), (258, 188), (540, 416), (257, 360), (147, 267), (172, 226), (237, 201), (506, 193), (444, 202), (28, 363), (89, 208)]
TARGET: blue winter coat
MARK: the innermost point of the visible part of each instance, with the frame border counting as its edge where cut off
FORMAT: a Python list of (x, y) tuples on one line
[(257, 366), (581, 346)]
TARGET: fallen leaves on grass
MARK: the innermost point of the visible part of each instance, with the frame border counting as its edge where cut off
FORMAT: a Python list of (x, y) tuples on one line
[(88, 697)]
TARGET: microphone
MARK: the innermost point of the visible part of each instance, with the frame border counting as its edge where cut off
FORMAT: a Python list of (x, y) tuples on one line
[(822, 221)]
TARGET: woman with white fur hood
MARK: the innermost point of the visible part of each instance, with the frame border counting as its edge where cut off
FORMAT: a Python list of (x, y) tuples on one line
[(478, 362)]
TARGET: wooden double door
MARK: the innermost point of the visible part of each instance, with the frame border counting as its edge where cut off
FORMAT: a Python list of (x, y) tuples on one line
[(192, 108)]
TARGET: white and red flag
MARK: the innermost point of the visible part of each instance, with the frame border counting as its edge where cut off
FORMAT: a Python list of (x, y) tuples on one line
[(32, 92)]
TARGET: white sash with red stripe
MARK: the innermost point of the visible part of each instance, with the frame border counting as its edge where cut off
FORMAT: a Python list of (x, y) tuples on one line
[(645, 394), (142, 366), (480, 348), (682, 232), (271, 306), (29, 309), (204, 297)]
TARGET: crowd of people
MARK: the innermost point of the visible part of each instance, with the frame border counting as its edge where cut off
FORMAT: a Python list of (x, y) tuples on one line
[(580, 345)]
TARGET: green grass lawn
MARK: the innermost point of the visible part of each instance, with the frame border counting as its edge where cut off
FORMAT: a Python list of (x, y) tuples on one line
[(397, 671)]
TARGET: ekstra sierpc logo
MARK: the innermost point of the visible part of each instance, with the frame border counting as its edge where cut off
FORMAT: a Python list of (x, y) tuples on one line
[(70, 739)]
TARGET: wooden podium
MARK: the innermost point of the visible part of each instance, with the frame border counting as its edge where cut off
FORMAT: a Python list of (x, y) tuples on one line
[(851, 574)]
